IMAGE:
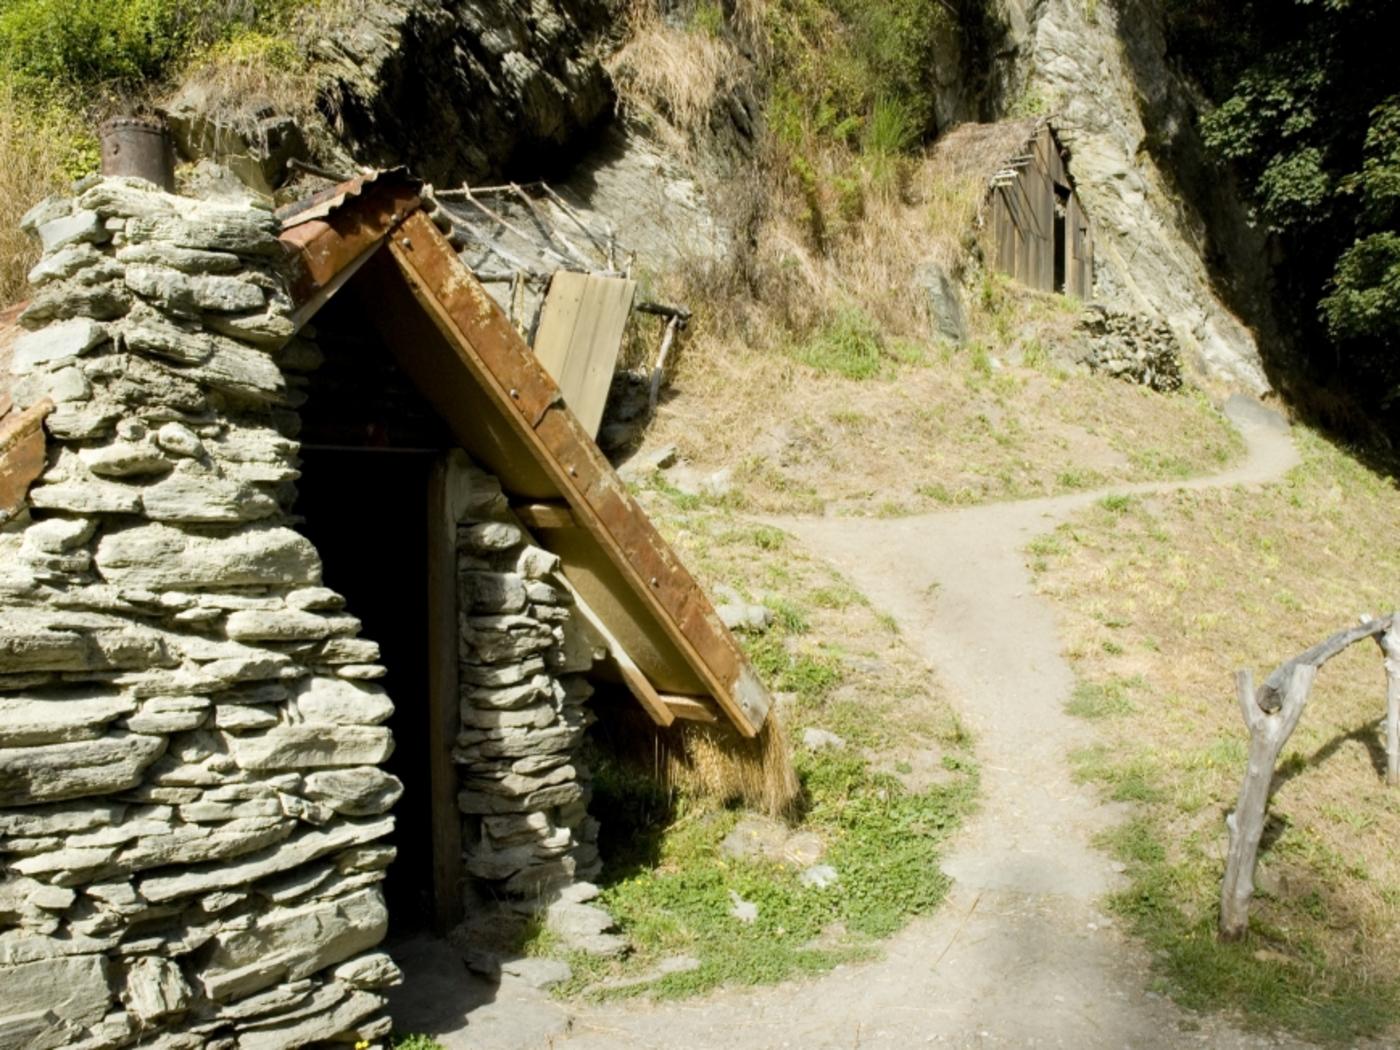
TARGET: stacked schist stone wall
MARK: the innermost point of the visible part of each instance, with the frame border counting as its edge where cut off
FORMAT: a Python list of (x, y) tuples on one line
[(1131, 346), (191, 817), (524, 651)]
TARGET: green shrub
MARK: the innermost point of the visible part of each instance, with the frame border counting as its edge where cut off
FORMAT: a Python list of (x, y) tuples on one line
[(119, 46), (851, 344)]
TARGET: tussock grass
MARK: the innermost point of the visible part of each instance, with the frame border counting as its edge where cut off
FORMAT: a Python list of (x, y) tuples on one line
[(1162, 600), (38, 147), (680, 71)]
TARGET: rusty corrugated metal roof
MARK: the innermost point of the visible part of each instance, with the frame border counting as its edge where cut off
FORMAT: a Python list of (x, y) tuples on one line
[(323, 204)]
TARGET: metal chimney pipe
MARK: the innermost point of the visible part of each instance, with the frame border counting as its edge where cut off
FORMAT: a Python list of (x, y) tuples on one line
[(139, 147)]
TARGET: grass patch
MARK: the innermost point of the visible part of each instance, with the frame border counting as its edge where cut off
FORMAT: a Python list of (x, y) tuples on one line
[(671, 888), (1103, 699), (1162, 600), (666, 881), (415, 1042), (853, 346)]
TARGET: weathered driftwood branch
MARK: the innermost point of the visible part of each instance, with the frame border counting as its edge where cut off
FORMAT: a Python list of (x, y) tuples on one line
[(1271, 713), (1390, 647)]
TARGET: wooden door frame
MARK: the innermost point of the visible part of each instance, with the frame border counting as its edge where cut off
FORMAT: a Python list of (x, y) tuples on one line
[(444, 698)]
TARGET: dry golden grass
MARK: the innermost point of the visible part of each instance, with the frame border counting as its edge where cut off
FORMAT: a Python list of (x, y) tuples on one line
[(963, 426), (1162, 601), (678, 71), (715, 762), (32, 156)]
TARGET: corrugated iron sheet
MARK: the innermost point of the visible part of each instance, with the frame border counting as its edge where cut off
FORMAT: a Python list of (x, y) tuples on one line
[(330, 200)]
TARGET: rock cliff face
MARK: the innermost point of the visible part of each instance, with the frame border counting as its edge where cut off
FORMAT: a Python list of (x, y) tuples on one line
[(474, 88), (468, 88), (1100, 68)]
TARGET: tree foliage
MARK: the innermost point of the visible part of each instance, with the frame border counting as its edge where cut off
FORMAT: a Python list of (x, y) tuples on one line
[(116, 46), (1306, 110)]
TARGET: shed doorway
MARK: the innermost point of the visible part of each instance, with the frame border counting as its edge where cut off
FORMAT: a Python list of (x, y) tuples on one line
[(371, 445), (1061, 237), (365, 510)]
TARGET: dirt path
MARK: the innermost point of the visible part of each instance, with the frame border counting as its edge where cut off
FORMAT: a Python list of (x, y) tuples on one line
[(1020, 955)]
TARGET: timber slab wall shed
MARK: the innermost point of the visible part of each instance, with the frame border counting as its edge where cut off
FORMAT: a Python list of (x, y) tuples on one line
[(1040, 230), (258, 474)]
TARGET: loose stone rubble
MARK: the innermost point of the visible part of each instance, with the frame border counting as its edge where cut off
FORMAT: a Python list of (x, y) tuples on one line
[(192, 817), (1131, 346)]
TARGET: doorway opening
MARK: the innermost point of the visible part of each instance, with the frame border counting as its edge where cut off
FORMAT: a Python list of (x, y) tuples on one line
[(1061, 240), (369, 446)]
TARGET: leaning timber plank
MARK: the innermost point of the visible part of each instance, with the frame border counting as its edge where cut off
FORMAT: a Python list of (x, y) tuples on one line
[(691, 708), (514, 386), (444, 700), (632, 676), (580, 336), (545, 515)]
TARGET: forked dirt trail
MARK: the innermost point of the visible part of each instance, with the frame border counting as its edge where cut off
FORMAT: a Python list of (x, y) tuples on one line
[(1021, 954)]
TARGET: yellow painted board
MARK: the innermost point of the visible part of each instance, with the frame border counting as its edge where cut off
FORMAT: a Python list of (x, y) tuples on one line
[(580, 336)]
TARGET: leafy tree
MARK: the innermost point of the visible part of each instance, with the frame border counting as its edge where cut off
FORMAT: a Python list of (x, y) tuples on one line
[(1307, 112)]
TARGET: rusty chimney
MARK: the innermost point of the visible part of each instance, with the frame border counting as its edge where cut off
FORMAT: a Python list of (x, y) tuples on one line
[(140, 147)]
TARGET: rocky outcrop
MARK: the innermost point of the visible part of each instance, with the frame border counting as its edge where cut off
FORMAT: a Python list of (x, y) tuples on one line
[(462, 90), (1101, 69), (191, 817)]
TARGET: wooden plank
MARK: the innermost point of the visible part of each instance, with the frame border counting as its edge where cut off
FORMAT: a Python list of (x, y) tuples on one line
[(637, 683), (654, 593), (691, 708), (580, 337), (545, 516), (444, 700)]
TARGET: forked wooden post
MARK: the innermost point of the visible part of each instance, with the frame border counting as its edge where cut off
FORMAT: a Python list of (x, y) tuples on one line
[(1268, 732), (1390, 646), (1271, 713)]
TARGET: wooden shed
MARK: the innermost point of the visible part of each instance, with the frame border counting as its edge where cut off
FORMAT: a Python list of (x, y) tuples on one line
[(1040, 230)]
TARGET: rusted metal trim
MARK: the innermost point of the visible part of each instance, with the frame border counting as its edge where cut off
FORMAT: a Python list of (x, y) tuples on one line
[(326, 250), (509, 375)]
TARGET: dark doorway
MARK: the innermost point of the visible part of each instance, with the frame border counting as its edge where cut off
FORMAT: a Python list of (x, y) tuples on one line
[(369, 445), (1061, 241), (365, 510)]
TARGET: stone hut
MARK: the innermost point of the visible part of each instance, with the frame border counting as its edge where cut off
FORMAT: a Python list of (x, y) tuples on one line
[(259, 473)]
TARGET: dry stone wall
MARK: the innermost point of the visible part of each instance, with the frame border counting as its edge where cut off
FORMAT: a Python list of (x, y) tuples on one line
[(524, 652), (1131, 346), (192, 819)]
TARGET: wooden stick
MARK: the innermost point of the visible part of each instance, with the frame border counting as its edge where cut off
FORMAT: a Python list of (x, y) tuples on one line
[(1271, 713), (1318, 655), (551, 233), (506, 224), (1390, 647), (1268, 732), (666, 341)]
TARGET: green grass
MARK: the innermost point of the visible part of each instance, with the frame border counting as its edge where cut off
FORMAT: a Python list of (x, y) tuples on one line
[(118, 46), (1277, 978), (853, 346), (670, 886), (415, 1042), (1102, 700)]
